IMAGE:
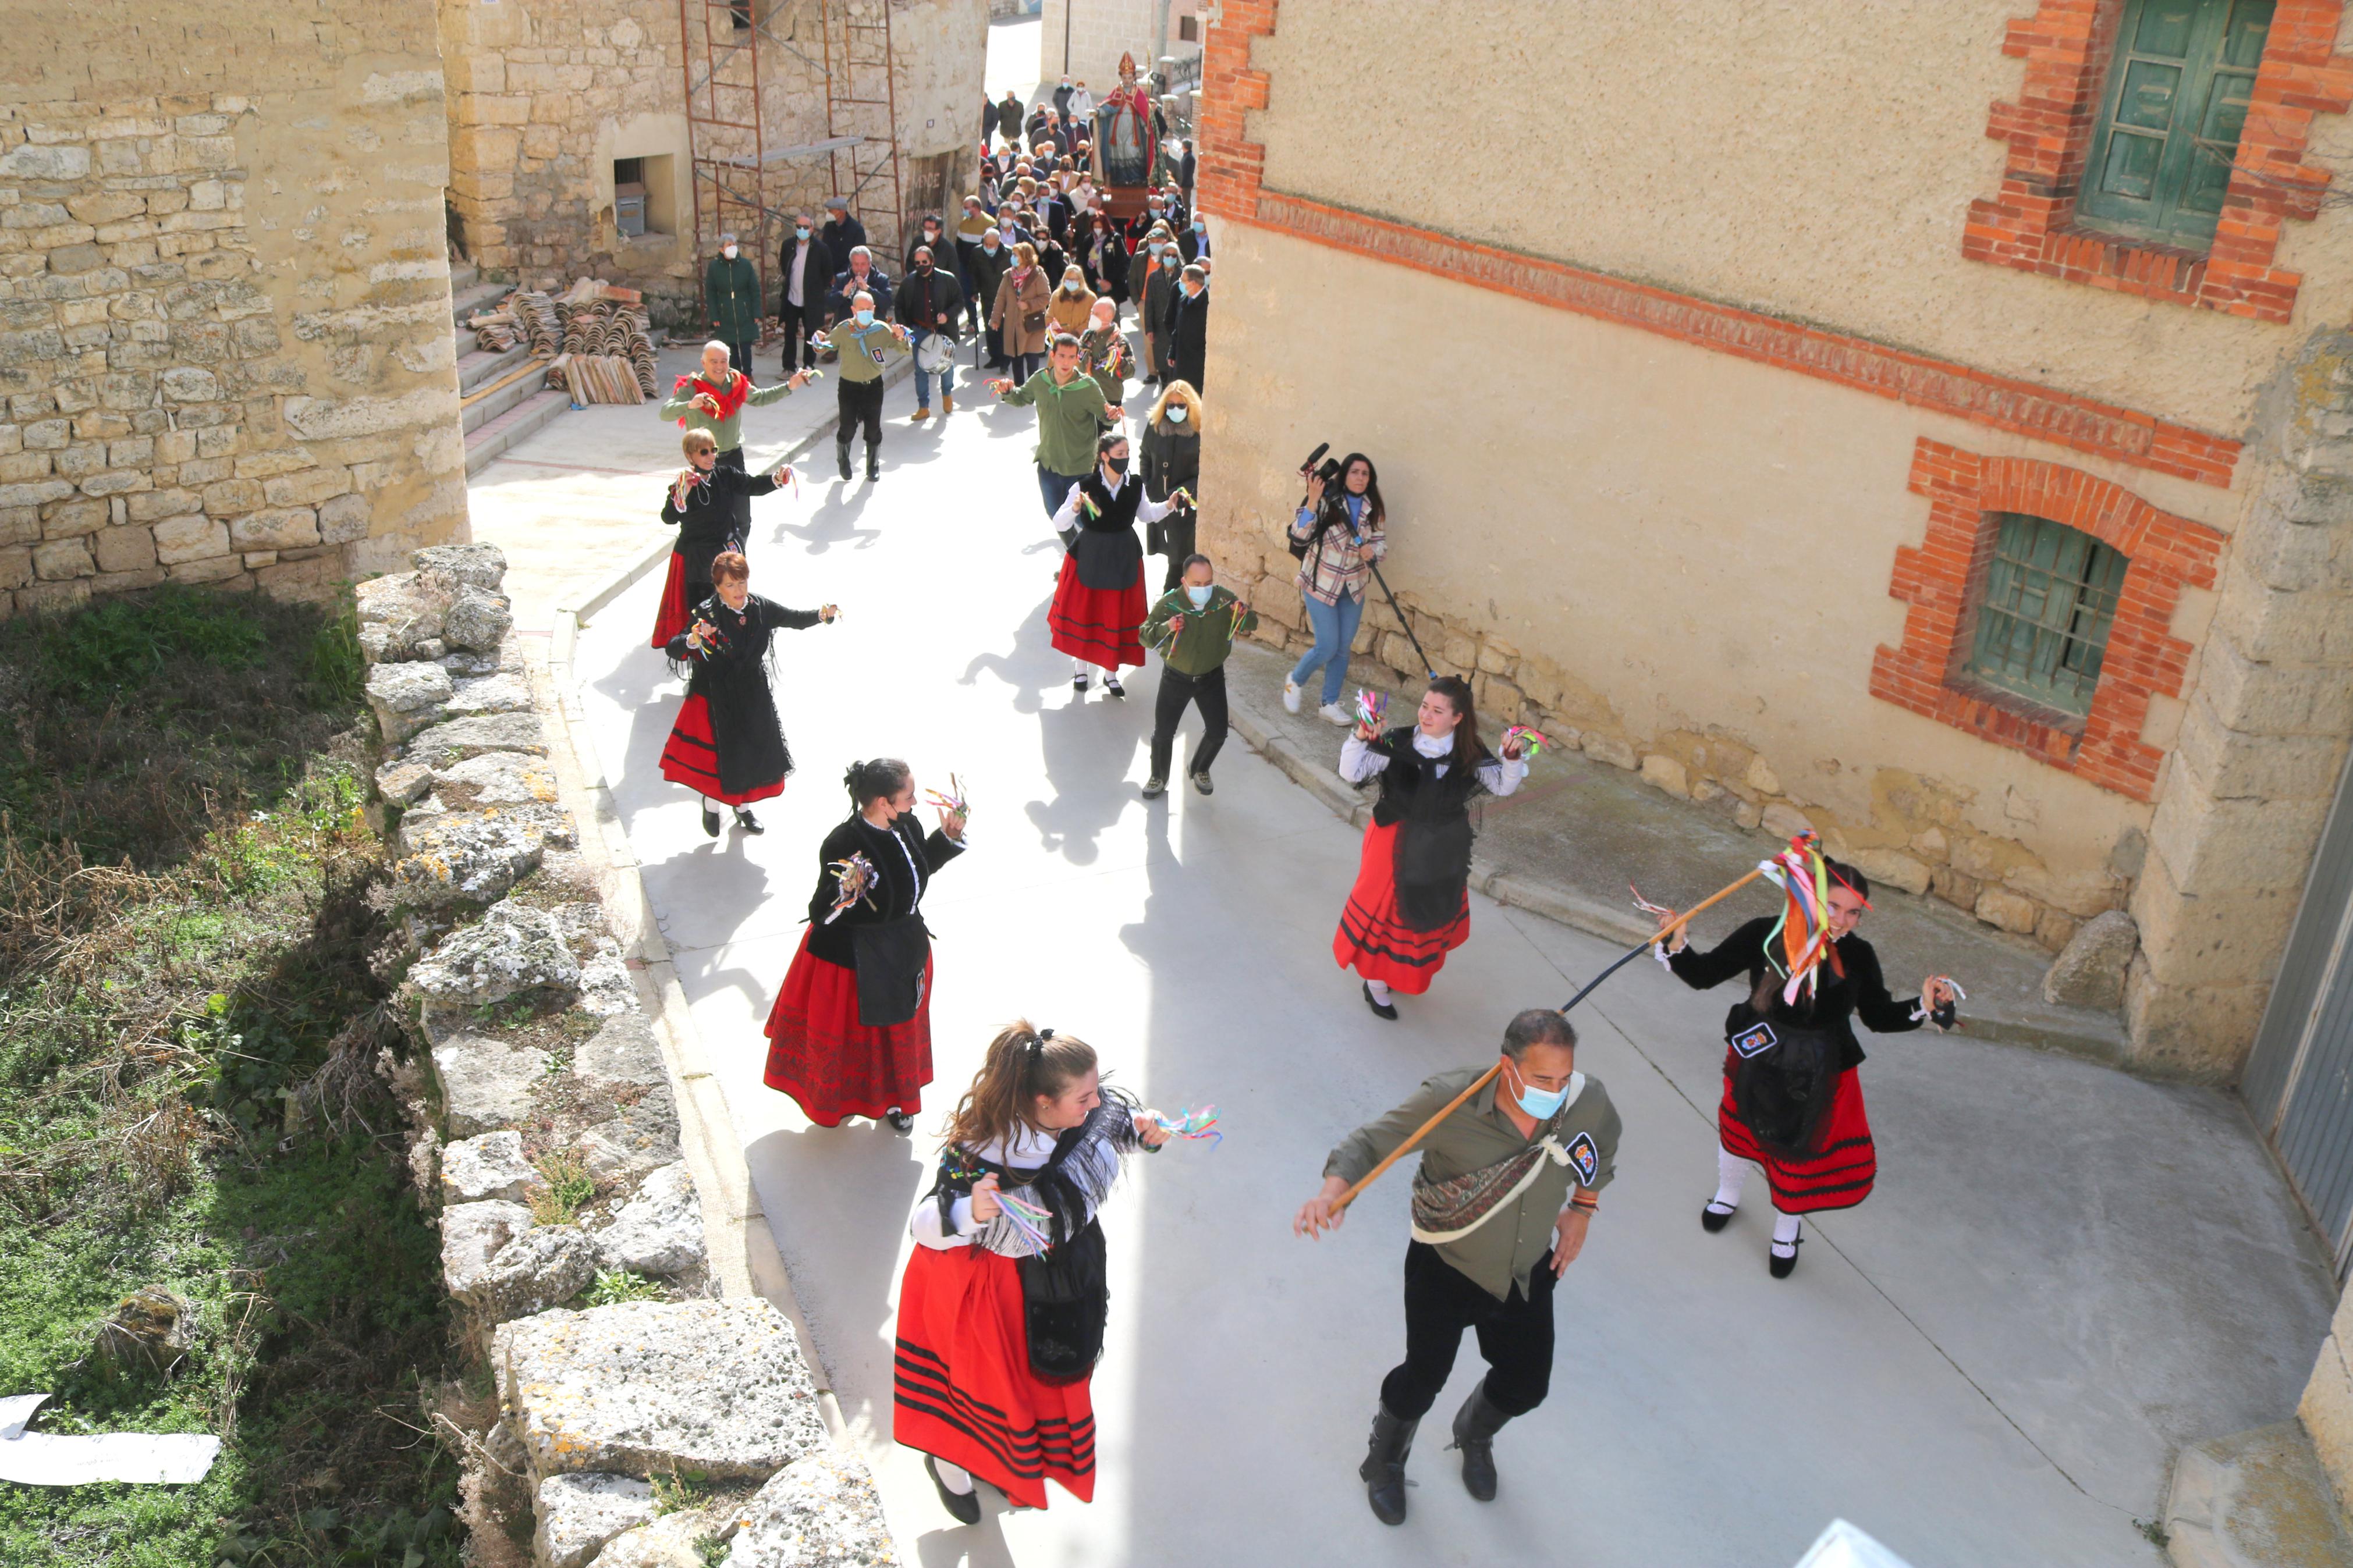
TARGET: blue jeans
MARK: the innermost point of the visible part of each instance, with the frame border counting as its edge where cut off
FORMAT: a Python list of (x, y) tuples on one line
[(1055, 487), (923, 378), (1335, 630)]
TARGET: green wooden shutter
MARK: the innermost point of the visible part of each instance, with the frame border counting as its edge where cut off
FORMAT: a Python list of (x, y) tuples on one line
[(2042, 625), (2170, 123)]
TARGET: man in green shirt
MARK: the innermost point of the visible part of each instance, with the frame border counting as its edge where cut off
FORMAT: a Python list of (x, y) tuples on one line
[(714, 398), (1070, 413), (731, 294), (1194, 627), (865, 345), (1502, 1203)]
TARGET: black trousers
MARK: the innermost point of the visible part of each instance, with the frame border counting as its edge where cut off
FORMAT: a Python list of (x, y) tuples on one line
[(1206, 692), (799, 322), (733, 458), (739, 355), (862, 402), (1514, 1335)]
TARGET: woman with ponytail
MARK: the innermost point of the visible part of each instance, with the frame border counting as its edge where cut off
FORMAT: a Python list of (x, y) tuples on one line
[(850, 1033), (1002, 1309), (1411, 904)]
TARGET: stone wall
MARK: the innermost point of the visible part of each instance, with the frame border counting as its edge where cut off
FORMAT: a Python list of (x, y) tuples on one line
[(1099, 32), (546, 95), (224, 313)]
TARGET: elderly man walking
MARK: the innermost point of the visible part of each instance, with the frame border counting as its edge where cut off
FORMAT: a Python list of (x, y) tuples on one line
[(731, 293), (865, 345), (1508, 1186), (714, 399)]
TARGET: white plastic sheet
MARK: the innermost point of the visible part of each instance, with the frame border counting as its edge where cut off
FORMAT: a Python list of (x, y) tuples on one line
[(39, 1459)]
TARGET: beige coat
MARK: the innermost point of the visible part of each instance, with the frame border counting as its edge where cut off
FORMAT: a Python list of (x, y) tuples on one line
[(1012, 305), (1072, 313)]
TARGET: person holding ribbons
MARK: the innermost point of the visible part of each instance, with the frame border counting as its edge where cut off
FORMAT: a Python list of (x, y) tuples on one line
[(1514, 1159), (1098, 610)]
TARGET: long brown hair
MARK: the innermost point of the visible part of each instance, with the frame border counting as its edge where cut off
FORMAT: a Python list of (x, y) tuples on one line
[(1470, 750), (1023, 1062)]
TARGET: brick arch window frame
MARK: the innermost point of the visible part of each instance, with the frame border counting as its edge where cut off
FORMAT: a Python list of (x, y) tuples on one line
[(1940, 580), (2031, 224)]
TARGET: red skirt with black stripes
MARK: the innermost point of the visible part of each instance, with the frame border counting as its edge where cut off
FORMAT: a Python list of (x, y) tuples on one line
[(1839, 1175), (1374, 941), (962, 1387), (672, 618), (1102, 626), (691, 757)]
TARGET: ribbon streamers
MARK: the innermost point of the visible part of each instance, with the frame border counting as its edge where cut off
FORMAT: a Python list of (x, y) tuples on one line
[(952, 802), (853, 880), (1531, 742), (1371, 706), (1802, 931), (1201, 1123)]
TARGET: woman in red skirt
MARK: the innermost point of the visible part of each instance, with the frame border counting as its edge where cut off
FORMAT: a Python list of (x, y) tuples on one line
[(850, 1033), (1098, 612), (1791, 1103), (1411, 906), (704, 504), (727, 745), (1002, 1309)]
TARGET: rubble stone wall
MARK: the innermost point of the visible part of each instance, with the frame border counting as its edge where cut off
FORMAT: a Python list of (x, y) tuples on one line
[(225, 312)]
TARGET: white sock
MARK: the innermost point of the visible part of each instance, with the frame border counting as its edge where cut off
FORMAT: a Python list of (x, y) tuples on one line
[(1786, 1228), (1380, 990), (1079, 667), (958, 1481), (1731, 1175)]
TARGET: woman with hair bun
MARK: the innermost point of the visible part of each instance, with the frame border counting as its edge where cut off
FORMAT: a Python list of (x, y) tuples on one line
[(1411, 903), (728, 745), (850, 1033), (1002, 1309)]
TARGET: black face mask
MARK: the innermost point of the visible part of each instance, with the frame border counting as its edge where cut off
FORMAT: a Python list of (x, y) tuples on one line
[(923, 267), (1117, 465)]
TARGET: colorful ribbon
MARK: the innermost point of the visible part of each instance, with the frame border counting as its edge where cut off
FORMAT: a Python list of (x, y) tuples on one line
[(1201, 1123), (853, 880), (1371, 706), (953, 801), (1802, 931), (1531, 742), (1031, 1221)]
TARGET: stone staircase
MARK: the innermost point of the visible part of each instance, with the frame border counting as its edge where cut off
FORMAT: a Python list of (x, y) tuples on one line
[(501, 407)]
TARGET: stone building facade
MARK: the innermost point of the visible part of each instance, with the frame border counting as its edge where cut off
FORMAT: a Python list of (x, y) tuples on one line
[(225, 309), (548, 99), (1713, 483)]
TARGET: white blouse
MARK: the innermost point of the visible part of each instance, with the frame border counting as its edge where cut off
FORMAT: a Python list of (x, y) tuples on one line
[(1359, 761), (1028, 1150), (1147, 510)]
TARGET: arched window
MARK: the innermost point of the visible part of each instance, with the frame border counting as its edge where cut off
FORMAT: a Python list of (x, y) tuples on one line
[(2043, 619)]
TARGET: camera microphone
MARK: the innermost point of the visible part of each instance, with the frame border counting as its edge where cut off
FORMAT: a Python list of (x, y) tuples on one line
[(1315, 457)]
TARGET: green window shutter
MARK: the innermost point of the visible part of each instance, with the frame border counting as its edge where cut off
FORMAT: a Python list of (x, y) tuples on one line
[(2042, 623), (2169, 122)]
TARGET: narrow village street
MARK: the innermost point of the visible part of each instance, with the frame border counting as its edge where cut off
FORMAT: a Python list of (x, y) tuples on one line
[(1954, 1374)]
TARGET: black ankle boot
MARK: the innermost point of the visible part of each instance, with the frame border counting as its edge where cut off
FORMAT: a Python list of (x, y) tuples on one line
[(842, 452), (1475, 1425), (1383, 1467)]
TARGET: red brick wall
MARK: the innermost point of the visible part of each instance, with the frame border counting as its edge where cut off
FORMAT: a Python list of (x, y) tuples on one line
[(2067, 45), (1940, 578)]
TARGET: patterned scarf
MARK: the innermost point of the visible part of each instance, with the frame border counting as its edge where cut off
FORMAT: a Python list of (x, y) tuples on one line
[(730, 400)]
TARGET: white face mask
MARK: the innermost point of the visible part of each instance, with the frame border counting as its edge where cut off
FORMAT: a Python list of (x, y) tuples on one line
[(1178, 414), (728, 251), (1199, 594)]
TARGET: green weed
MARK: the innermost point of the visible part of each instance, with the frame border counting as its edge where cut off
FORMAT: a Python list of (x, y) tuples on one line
[(569, 1187), (680, 1491), (615, 1285)]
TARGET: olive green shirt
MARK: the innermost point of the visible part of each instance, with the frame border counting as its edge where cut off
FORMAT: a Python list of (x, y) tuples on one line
[(864, 350), (1207, 636), (1071, 414), (727, 432), (1501, 1252)]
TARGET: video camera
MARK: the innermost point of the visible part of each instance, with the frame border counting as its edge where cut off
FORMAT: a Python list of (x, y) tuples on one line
[(1329, 470)]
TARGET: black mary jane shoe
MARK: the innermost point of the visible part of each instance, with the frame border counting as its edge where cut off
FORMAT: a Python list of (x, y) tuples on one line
[(747, 821), (902, 1123), (1079, 685), (1380, 1009), (709, 821), (1781, 1268), (963, 1506), (1713, 1219), (1112, 685)]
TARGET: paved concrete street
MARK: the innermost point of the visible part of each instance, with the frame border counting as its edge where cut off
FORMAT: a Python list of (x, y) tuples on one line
[(1990, 1363)]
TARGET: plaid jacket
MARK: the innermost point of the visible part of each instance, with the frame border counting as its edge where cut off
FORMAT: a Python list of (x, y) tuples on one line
[(1335, 564)]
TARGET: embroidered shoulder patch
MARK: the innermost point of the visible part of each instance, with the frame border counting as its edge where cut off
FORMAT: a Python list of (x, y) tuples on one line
[(1584, 1158), (1757, 1038)]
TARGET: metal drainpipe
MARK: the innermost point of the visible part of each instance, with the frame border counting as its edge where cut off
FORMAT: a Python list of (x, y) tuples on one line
[(1159, 32), (1066, 39)]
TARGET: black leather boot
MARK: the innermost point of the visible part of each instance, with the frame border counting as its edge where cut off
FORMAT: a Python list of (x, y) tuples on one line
[(1475, 1425), (1383, 1467)]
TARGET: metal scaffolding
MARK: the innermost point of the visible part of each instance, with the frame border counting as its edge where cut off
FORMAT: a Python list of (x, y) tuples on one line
[(725, 156), (861, 110)]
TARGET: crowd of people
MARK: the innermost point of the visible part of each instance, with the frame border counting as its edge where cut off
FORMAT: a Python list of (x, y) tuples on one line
[(1003, 1305)]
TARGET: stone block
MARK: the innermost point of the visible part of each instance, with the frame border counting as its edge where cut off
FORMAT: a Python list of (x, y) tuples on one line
[(65, 520), (191, 538), (57, 559), (150, 506), (658, 1231), (2210, 846), (189, 385), (1783, 820), (2230, 764), (490, 1166), (671, 1541), (106, 206), (407, 696), (217, 569), (2273, 699), (1891, 868), (29, 161), (494, 779), (38, 492), (117, 482), (344, 519), (820, 1510), (124, 549), (578, 1514), (2090, 971), (1611, 750), (643, 1386), (275, 528), (515, 948), (476, 619), (2009, 911), (1761, 777), (1957, 887), (536, 1271), (16, 567), (307, 487), (474, 1234), (458, 739), (1662, 772), (228, 497), (486, 1083)]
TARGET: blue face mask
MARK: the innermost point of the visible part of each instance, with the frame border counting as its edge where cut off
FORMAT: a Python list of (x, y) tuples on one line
[(801, 232), (865, 318), (1200, 595), (1200, 227), (1544, 1104)]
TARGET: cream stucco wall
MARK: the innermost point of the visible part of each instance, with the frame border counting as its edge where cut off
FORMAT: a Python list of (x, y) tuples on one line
[(1814, 159), (1701, 545)]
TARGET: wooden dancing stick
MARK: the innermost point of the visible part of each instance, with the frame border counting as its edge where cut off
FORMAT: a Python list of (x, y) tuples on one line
[(1402, 1150)]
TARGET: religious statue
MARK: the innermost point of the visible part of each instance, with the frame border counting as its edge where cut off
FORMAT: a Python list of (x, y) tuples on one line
[(1126, 148)]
